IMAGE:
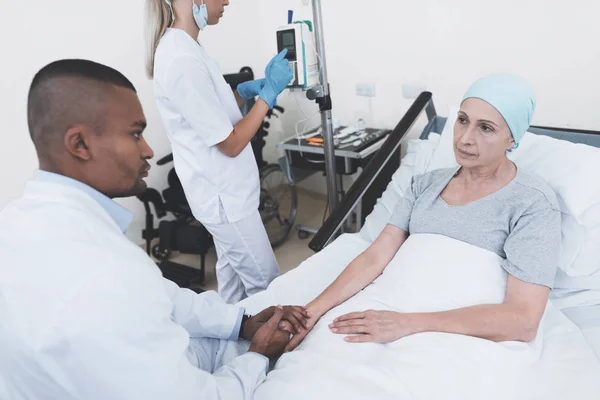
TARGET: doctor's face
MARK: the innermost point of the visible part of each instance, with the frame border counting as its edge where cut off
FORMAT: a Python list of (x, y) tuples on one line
[(120, 153)]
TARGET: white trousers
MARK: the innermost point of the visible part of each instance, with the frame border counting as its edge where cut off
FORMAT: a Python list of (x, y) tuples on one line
[(245, 261)]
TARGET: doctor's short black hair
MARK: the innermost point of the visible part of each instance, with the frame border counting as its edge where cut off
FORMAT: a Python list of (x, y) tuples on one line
[(68, 92)]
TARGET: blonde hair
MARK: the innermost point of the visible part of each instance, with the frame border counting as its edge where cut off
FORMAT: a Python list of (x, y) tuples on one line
[(160, 16)]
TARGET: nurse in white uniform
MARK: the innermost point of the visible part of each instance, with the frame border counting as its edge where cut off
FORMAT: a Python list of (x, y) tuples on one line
[(210, 139)]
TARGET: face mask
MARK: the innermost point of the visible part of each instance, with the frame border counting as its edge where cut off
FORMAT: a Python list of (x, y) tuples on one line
[(200, 15)]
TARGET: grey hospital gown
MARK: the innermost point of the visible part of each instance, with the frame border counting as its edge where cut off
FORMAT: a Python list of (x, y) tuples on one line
[(521, 222)]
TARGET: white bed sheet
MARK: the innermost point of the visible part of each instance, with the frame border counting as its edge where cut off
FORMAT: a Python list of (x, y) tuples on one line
[(302, 284), (588, 320)]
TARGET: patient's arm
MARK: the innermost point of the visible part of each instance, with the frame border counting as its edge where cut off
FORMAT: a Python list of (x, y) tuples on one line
[(362, 271), (517, 319)]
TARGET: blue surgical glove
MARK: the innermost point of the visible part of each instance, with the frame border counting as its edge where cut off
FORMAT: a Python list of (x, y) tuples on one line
[(277, 76), (250, 89)]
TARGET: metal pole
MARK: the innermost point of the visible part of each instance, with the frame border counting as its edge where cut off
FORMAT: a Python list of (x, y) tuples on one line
[(325, 107)]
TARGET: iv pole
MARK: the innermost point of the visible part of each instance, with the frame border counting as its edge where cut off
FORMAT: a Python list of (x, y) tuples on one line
[(321, 96)]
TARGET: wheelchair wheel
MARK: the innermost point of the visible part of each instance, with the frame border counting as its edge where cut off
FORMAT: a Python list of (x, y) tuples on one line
[(158, 254), (278, 203)]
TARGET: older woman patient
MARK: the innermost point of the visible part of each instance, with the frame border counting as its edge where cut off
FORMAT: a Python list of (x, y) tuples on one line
[(486, 202)]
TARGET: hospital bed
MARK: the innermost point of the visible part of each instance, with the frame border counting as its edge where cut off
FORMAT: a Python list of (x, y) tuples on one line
[(579, 303), (586, 317)]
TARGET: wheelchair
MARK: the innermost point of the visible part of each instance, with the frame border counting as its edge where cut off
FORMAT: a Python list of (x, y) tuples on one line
[(181, 232)]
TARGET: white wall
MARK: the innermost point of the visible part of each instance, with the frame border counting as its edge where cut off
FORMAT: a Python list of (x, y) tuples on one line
[(447, 44), (444, 44)]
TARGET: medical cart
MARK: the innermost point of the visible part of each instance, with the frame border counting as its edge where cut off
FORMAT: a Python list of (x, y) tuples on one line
[(354, 148)]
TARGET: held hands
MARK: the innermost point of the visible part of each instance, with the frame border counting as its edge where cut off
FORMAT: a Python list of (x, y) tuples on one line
[(314, 316), (294, 319), (250, 89), (374, 326), (277, 76), (269, 340)]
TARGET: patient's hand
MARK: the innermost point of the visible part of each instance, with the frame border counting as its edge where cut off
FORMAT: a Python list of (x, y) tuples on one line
[(374, 326), (294, 320), (314, 316)]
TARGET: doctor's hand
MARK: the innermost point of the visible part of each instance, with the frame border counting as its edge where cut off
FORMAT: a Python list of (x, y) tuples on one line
[(270, 340), (374, 326), (277, 76), (250, 89), (294, 320)]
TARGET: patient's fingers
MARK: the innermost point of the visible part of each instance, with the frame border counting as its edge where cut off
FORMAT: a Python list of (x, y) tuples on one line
[(299, 317), (302, 310), (293, 320), (350, 322), (360, 339), (296, 340), (286, 326), (354, 315), (350, 330)]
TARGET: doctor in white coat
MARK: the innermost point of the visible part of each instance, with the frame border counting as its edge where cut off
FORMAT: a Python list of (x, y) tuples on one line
[(211, 141), (84, 312)]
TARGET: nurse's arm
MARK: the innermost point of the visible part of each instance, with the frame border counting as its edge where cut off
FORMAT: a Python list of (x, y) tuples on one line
[(245, 130), (193, 93), (240, 101)]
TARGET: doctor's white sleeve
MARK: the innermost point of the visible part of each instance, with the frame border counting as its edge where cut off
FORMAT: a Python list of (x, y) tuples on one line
[(190, 88), (204, 315), (119, 342)]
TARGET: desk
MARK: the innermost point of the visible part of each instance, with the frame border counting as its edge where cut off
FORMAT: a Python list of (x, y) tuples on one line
[(303, 159)]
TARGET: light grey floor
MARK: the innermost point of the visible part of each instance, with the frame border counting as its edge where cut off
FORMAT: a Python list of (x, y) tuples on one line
[(289, 255)]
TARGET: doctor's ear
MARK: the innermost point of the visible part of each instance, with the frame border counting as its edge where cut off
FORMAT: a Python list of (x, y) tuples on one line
[(77, 143)]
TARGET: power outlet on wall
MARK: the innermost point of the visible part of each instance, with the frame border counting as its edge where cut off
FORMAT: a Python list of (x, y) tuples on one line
[(413, 90), (366, 90)]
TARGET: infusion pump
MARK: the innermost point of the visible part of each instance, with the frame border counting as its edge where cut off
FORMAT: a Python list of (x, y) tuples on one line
[(298, 39)]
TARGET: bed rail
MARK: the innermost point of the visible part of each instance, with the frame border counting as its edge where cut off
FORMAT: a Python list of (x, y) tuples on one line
[(333, 224)]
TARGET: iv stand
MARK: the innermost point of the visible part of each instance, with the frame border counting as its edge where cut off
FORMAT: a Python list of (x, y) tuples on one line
[(321, 96)]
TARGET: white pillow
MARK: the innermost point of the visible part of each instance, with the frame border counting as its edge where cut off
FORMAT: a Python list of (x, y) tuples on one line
[(547, 158), (443, 157), (570, 170), (417, 158)]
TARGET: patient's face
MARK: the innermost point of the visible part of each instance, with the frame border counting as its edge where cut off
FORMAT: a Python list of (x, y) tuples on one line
[(481, 136)]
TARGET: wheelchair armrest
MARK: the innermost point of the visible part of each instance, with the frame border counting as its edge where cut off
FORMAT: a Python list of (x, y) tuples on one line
[(233, 80), (152, 196), (332, 225), (166, 159)]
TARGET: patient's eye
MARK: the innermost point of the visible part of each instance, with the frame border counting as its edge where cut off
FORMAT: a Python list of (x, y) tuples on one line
[(463, 120), (486, 128)]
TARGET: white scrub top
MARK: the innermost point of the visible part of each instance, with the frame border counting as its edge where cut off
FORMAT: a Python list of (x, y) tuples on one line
[(199, 110)]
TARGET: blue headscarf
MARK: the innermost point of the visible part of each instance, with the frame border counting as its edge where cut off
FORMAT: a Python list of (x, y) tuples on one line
[(512, 96)]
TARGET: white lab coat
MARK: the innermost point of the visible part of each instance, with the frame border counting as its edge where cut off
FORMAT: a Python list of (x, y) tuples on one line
[(85, 314)]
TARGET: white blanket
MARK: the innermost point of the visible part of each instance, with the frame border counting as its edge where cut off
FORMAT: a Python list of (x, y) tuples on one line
[(429, 273)]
